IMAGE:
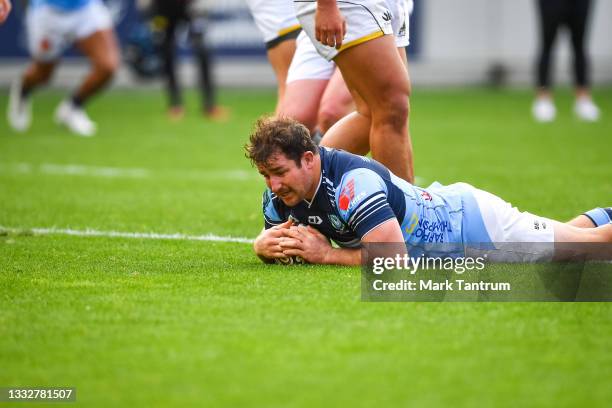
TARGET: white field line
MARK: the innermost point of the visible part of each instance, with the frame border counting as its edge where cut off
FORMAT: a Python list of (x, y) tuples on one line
[(96, 171), (73, 169), (121, 172), (133, 235)]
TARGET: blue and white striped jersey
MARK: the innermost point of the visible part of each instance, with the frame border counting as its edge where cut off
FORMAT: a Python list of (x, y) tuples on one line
[(357, 194)]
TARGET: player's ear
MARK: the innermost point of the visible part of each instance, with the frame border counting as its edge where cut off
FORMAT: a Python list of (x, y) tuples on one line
[(308, 159)]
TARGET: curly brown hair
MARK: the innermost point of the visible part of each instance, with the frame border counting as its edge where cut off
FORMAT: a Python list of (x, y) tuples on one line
[(273, 135)]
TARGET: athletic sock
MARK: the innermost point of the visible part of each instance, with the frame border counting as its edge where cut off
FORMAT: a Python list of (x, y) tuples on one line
[(600, 216), (24, 92), (77, 101), (317, 136)]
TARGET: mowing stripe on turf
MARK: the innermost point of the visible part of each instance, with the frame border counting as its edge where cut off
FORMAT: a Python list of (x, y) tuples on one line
[(119, 234), (73, 169)]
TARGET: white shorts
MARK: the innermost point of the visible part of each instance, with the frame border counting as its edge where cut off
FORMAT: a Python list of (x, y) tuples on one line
[(274, 18), (365, 20), (519, 236), (307, 63), (51, 31)]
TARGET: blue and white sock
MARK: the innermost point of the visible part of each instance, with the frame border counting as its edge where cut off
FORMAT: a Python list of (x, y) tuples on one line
[(600, 216)]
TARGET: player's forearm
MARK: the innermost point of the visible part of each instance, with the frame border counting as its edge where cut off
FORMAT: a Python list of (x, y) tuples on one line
[(343, 256), (326, 3), (327, 7)]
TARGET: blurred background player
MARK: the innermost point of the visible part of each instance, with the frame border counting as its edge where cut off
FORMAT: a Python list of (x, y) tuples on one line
[(168, 15), (53, 26), (276, 21), (5, 9), (358, 36), (574, 15), (315, 94)]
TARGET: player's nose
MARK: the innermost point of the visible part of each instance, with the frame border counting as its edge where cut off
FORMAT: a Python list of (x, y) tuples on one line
[(275, 184)]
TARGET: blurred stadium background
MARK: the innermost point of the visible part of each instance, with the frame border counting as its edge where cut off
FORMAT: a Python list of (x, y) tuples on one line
[(473, 42)]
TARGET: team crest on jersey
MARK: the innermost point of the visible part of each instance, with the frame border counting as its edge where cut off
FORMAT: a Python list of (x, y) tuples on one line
[(347, 194), (336, 222)]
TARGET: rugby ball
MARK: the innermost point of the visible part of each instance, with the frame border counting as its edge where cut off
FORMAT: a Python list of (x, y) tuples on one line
[(290, 260)]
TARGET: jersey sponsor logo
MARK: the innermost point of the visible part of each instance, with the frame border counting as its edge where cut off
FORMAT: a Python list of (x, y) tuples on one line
[(402, 30), (314, 220), (386, 16), (426, 196), (431, 231), (347, 194), (537, 225), (357, 199)]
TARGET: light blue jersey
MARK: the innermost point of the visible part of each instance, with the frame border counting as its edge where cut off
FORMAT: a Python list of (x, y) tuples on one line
[(63, 5), (357, 194)]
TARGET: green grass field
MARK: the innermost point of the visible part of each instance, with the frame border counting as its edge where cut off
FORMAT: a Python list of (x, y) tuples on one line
[(158, 322)]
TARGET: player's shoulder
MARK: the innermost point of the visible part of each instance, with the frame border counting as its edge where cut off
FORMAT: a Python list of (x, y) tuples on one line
[(337, 163), (358, 185)]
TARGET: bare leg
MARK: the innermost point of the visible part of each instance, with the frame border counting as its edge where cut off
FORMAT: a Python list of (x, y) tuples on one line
[(280, 58), (404, 58), (380, 78), (336, 103), (544, 93), (19, 111), (354, 133), (581, 221), (301, 101), (582, 242), (570, 233), (101, 49), (351, 133), (38, 73)]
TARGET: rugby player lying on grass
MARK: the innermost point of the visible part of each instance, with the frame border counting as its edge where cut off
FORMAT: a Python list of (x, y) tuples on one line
[(318, 194)]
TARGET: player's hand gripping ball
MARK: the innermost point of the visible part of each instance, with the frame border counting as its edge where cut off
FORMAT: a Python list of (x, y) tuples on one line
[(290, 260)]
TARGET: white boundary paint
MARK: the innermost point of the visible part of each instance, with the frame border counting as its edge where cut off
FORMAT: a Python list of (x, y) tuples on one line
[(73, 169), (132, 235)]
